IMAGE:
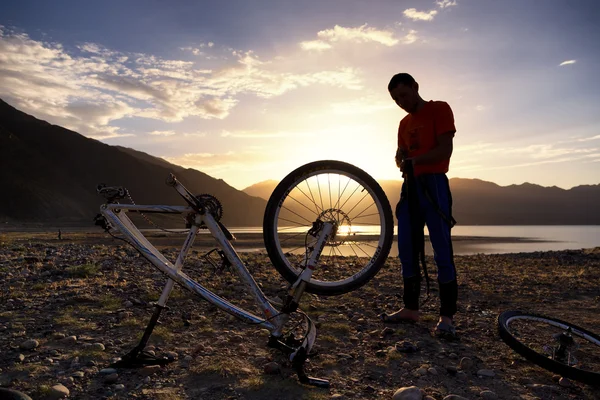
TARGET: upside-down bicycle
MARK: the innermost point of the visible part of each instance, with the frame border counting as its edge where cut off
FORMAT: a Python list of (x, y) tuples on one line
[(327, 227)]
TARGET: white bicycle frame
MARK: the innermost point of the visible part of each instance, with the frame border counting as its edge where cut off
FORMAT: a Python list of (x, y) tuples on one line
[(273, 320)]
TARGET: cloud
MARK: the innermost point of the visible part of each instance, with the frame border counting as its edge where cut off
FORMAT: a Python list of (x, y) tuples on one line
[(445, 3), (415, 15), (567, 62), (88, 89), (162, 133), (217, 163), (361, 34), (317, 45), (589, 138)]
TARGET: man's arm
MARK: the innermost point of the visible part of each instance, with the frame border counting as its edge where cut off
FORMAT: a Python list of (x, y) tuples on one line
[(441, 152)]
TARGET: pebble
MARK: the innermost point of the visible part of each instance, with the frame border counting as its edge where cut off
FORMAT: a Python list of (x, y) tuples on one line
[(29, 344), (78, 374), (58, 392), (149, 370), (488, 395), (408, 393), (112, 378), (69, 340), (119, 387), (108, 371), (20, 357), (455, 397), (272, 368), (465, 363), (98, 347), (564, 382), (486, 372)]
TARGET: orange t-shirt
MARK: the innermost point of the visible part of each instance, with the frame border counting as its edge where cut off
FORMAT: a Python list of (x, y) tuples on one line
[(418, 133)]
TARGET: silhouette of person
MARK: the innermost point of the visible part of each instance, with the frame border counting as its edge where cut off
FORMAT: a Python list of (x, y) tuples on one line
[(59, 235), (423, 155)]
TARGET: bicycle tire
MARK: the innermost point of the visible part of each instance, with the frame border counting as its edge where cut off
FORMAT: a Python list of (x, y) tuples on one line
[(283, 205), (510, 338)]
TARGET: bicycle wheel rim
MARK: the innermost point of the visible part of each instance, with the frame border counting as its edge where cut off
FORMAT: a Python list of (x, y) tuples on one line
[(582, 364), (334, 191)]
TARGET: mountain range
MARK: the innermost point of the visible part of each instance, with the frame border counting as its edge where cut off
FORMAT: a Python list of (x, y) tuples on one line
[(49, 176)]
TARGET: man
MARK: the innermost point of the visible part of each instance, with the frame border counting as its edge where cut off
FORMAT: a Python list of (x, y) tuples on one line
[(424, 149)]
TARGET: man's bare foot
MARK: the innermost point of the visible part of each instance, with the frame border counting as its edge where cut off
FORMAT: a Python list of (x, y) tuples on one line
[(404, 315), (445, 329)]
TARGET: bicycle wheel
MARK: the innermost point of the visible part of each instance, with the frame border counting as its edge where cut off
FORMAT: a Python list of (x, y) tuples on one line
[(555, 345), (329, 192)]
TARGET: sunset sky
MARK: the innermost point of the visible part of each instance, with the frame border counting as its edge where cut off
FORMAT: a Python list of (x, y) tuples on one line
[(249, 90)]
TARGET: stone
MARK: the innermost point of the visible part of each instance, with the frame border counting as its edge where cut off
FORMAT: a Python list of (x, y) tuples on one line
[(58, 392), (564, 382), (112, 378), (488, 395), (29, 344), (408, 393), (486, 372), (272, 368), (97, 347), (465, 363)]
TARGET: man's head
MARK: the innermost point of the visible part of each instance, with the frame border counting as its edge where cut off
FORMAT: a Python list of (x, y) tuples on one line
[(405, 91)]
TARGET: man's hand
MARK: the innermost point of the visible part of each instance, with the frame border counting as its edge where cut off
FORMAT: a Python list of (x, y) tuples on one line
[(400, 159)]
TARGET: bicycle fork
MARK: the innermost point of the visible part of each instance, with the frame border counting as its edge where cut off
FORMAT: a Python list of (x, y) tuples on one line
[(297, 289)]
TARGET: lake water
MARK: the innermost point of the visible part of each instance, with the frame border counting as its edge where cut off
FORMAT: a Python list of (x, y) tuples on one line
[(488, 239)]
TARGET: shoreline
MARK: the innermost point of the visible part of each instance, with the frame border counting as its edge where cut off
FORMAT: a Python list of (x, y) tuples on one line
[(253, 241)]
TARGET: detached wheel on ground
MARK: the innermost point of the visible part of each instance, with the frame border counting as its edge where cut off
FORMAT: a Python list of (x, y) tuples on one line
[(553, 344), (348, 199)]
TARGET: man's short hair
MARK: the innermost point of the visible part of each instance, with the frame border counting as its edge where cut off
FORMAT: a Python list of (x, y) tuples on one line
[(400, 79)]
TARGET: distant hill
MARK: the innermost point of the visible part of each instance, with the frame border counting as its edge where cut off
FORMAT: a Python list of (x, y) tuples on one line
[(49, 176), (261, 189), (478, 202)]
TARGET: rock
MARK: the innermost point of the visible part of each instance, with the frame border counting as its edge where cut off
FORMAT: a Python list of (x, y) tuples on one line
[(451, 369), (408, 393), (486, 372), (465, 363), (149, 370), (337, 396), (406, 347), (108, 371), (112, 378), (488, 395), (97, 347), (58, 392), (564, 382), (29, 344), (272, 368), (432, 371), (543, 388), (69, 340), (10, 394), (119, 387), (455, 397), (171, 355), (78, 374), (20, 358)]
